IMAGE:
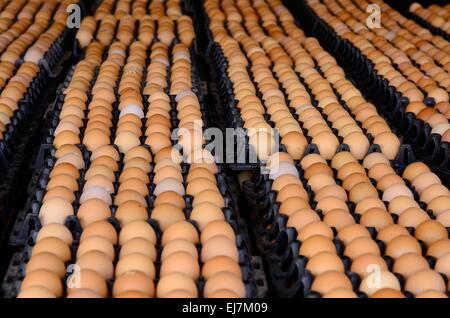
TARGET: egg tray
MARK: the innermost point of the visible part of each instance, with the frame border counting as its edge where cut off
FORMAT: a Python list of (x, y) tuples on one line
[(390, 103), (28, 224), (278, 244), (224, 93), (50, 67), (423, 23), (253, 275)]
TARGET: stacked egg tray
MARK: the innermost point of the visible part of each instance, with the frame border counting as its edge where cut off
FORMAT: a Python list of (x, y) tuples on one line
[(419, 20), (279, 246), (218, 66), (255, 283), (19, 139), (27, 225), (390, 103)]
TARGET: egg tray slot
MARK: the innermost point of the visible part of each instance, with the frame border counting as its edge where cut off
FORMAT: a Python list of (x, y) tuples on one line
[(390, 103), (423, 23), (27, 230), (278, 244), (28, 219), (50, 67), (251, 267)]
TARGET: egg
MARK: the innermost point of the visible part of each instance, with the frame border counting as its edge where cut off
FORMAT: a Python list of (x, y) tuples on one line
[(219, 245), (100, 228), (55, 230), (138, 245), (220, 264), (410, 263), (36, 292), (323, 262), (87, 280), (43, 278), (387, 293), (439, 248), (340, 293), (180, 230), (135, 262), (224, 281), (430, 231), (46, 261), (329, 281), (424, 280), (133, 281), (176, 281)]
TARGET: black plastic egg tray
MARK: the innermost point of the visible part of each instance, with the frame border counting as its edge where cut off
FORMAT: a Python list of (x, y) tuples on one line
[(425, 24), (390, 103), (28, 225), (278, 244), (23, 135), (218, 65)]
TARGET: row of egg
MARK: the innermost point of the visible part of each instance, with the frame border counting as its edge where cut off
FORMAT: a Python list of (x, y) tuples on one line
[(404, 49), (299, 98), (436, 15), (139, 8), (316, 235), (16, 85), (125, 22), (363, 111)]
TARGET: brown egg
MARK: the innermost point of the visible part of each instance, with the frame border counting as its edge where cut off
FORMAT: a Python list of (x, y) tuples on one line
[(180, 262), (135, 262), (439, 205), (137, 229), (384, 279), (180, 230), (401, 245), (361, 191), (301, 218), (43, 278), (424, 280), (387, 293), (220, 264), (415, 169), (93, 210), (138, 245), (323, 262), (329, 281), (52, 245), (431, 294), (170, 197), (401, 203), (390, 232), (55, 210), (315, 228), (338, 219), (55, 230), (131, 211), (219, 245), (224, 281), (217, 228), (367, 204), (47, 261), (439, 248), (430, 231), (167, 214), (134, 281), (340, 293), (412, 217), (360, 246), (88, 280), (410, 263), (98, 262), (101, 228), (36, 292), (424, 180), (377, 218), (316, 244), (175, 281), (433, 192)]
